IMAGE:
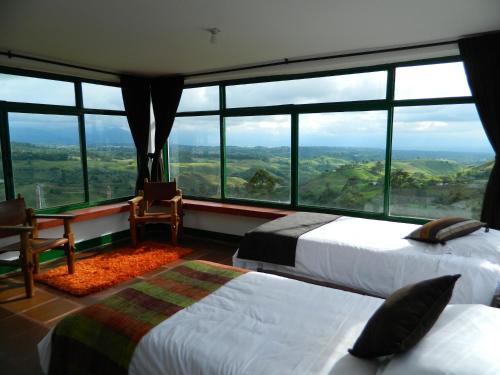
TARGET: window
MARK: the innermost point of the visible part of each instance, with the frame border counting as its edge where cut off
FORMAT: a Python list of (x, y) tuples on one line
[(111, 157), (194, 155), (441, 161), (340, 88), (342, 160), (102, 97), (199, 99), (431, 81), (258, 157), (23, 89), (46, 159)]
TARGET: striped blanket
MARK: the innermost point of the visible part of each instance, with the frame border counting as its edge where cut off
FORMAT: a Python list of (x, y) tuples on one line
[(101, 339)]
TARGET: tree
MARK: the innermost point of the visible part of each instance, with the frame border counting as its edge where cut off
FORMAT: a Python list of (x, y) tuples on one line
[(262, 182)]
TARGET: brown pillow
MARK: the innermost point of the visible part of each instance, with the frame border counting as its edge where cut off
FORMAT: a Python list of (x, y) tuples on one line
[(404, 318), (447, 228)]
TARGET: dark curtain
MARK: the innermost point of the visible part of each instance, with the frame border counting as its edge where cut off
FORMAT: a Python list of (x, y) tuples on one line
[(481, 56), (136, 94), (165, 94)]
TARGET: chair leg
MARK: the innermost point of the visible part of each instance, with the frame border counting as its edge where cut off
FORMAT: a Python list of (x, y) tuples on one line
[(133, 233), (175, 232), (142, 231), (27, 267), (69, 250)]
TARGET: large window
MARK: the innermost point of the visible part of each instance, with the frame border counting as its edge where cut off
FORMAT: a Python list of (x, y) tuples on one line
[(342, 160), (441, 160), (258, 158), (15, 88), (194, 155), (46, 159), (64, 152), (341, 88), (401, 141), (111, 157)]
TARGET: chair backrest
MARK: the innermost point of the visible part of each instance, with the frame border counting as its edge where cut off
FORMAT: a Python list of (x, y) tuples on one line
[(12, 212), (157, 191)]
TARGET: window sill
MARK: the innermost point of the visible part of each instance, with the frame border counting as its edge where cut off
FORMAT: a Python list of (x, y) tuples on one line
[(235, 209), (97, 212), (85, 214)]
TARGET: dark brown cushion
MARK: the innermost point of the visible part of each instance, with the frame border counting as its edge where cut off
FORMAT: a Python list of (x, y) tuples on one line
[(404, 318), (447, 228)]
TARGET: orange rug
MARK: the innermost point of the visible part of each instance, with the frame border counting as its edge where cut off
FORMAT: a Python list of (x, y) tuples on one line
[(108, 269)]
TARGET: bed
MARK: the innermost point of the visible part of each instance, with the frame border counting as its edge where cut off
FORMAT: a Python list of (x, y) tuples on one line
[(223, 320), (373, 256)]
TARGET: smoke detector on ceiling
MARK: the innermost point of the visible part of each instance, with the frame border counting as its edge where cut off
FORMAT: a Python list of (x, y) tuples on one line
[(213, 31)]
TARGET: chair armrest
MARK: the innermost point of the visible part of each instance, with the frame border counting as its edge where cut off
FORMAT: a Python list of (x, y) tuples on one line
[(135, 200), (15, 228), (55, 216), (175, 199)]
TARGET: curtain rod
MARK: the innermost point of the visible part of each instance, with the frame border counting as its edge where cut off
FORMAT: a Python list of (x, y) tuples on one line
[(285, 61), (309, 59), (11, 55)]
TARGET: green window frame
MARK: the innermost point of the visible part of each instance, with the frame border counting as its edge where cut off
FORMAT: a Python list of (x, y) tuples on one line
[(388, 104), (78, 110)]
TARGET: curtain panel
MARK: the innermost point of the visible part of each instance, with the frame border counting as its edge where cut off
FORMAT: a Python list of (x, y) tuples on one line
[(136, 94), (165, 95), (481, 56)]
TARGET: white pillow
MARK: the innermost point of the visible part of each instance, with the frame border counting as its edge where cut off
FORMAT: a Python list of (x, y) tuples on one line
[(464, 341)]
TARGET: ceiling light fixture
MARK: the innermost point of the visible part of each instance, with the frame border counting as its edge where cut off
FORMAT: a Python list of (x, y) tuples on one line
[(213, 34)]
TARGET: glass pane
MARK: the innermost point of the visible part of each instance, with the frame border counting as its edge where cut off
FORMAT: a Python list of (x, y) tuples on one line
[(441, 161), (102, 97), (111, 157), (46, 159), (199, 99), (36, 90), (194, 155), (431, 81), (342, 88), (342, 160), (258, 158)]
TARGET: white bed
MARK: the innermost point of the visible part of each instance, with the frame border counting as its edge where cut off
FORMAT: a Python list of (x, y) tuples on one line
[(374, 256), (251, 326), (266, 324)]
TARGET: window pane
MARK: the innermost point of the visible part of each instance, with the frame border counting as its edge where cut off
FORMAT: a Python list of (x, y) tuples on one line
[(102, 97), (111, 157), (431, 81), (342, 88), (36, 90), (441, 161), (342, 160), (199, 99), (194, 155), (258, 157), (46, 159)]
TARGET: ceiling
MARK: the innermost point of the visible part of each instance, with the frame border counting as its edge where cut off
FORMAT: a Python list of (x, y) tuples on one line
[(167, 36)]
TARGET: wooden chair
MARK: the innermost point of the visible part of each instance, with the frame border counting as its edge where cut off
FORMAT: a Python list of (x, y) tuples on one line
[(16, 219), (159, 202)]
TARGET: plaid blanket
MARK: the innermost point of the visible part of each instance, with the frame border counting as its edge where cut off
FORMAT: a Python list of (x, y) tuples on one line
[(101, 339)]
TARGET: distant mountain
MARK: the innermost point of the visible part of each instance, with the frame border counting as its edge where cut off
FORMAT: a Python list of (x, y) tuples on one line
[(67, 136)]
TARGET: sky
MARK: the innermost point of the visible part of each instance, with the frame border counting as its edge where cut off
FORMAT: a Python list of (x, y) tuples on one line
[(439, 128)]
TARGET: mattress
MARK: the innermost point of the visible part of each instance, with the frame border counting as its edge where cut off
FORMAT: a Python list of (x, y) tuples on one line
[(256, 324), (374, 256)]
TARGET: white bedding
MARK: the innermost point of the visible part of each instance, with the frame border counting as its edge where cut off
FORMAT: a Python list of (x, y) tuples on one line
[(374, 256), (257, 324)]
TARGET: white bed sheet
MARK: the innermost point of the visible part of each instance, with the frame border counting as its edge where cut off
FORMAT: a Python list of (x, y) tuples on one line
[(257, 324), (374, 256)]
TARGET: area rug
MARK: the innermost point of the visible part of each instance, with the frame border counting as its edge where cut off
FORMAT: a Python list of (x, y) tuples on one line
[(111, 268)]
